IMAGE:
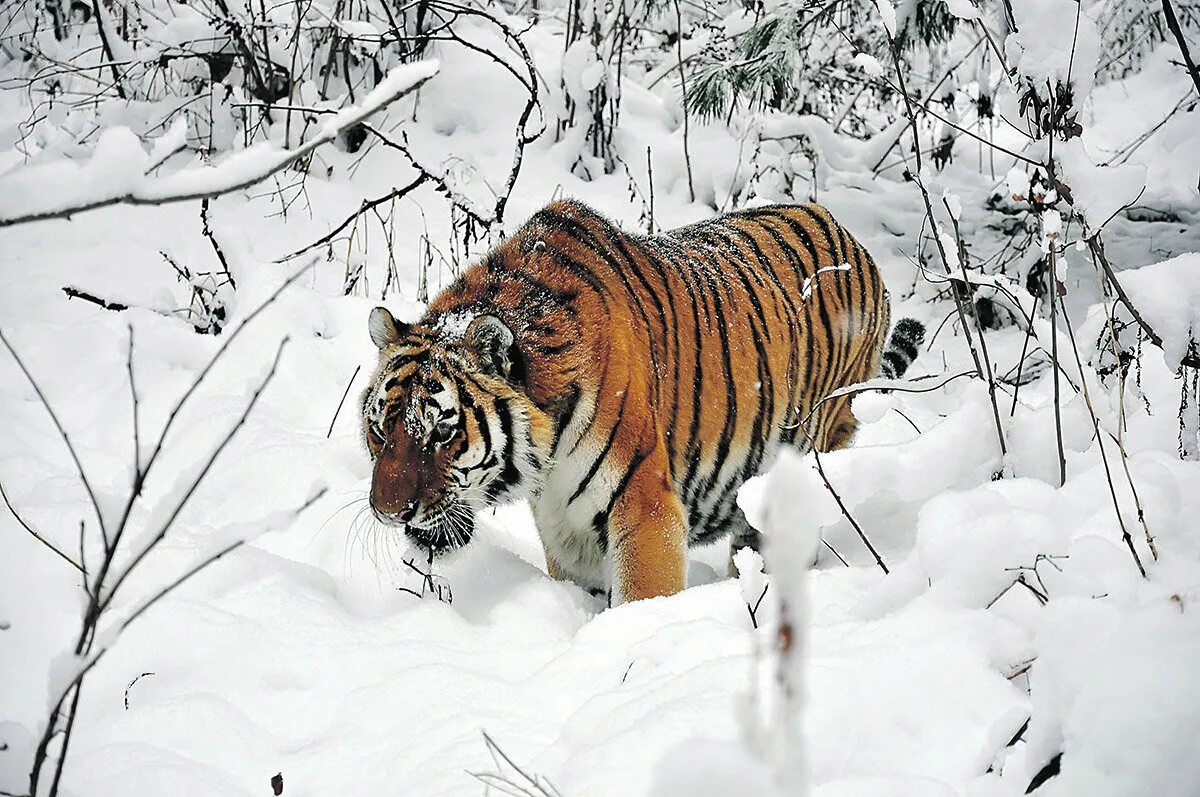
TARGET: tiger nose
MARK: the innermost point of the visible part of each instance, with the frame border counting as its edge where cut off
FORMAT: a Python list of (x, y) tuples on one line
[(404, 512)]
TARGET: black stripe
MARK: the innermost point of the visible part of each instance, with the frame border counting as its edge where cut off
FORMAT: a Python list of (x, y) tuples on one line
[(600, 521), (673, 355), (563, 417), (612, 435), (510, 476), (729, 429)]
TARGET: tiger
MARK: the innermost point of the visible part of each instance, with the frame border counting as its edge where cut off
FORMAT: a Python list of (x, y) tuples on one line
[(626, 385)]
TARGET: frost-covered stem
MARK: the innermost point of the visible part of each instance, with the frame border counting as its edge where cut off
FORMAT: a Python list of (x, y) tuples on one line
[(74, 688), (1177, 32), (1119, 437), (895, 385), (133, 403), (1189, 425), (687, 156), (99, 600), (1053, 288), (790, 554), (463, 203), (1100, 258), (72, 713), (43, 747), (141, 476), (958, 300), (789, 637), (529, 83)]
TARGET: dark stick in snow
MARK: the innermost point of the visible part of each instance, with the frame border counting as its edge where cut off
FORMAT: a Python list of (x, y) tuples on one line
[(345, 393)]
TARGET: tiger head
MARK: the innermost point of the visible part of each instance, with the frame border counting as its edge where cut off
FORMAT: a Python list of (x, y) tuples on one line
[(449, 426)]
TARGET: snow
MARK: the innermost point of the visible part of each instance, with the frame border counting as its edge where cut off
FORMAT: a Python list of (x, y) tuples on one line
[(869, 64), (1042, 51), (304, 652), (1167, 295)]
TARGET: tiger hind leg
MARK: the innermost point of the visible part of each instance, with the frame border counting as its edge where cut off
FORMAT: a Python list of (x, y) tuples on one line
[(834, 428), (839, 427)]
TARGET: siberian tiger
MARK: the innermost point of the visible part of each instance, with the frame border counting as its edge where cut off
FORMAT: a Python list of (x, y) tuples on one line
[(627, 385)]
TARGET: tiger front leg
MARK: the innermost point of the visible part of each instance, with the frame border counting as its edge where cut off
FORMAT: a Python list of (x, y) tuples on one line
[(647, 531)]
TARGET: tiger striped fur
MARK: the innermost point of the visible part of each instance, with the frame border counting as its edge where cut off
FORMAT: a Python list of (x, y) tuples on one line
[(626, 385)]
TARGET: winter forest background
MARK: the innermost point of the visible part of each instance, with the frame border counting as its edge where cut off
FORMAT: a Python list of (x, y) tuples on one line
[(201, 201)]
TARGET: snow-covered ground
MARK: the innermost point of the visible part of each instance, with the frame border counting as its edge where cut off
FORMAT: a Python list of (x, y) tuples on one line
[(305, 652)]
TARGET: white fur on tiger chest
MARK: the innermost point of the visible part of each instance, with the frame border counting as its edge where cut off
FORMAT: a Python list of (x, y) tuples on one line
[(567, 525)]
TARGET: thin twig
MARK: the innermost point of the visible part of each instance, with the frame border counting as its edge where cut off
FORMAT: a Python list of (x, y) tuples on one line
[(212, 239), (842, 506), (367, 204), (687, 157), (937, 239), (133, 402), (106, 599), (38, 536), (62, 433), (1058, 436), (345, 393)]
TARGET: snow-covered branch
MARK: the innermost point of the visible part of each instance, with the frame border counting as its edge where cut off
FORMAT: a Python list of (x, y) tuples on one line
[(119, 171)]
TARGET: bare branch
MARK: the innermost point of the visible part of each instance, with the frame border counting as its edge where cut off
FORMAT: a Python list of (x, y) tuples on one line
[(105, 600)]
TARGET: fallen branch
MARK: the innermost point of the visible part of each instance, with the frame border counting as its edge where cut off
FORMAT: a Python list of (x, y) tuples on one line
[(76, 293)]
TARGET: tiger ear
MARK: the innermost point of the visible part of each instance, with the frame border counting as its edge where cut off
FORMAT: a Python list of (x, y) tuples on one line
[(494, 346), (385, 329)]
